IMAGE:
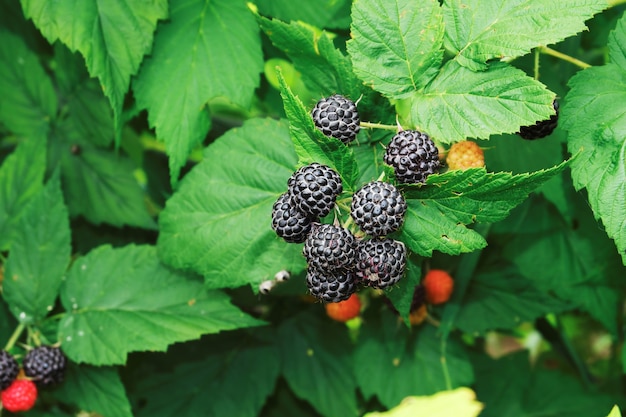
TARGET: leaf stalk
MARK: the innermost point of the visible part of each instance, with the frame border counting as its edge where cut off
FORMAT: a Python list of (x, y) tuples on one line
[(552, 52)]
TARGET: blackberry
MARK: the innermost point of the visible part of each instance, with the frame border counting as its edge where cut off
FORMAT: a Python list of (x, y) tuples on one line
[(288, 222), (314, 189), (378, 208), (337, 117), (8, 369), (329, 247), (331, 286), (380, 263), (542, 128), (419, 297), (45, 365), (413, 156)]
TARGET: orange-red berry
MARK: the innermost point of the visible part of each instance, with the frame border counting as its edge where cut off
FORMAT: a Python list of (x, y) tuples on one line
[(439, 286), (344, 310), (19, 396)]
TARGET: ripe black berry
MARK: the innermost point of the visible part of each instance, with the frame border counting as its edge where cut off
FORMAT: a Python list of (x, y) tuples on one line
[(329, 247), (8, 369), (419, 297), (380, 263), (288, 222), (331, 286), (413, 155), (542, 128), (378, 208), (45, 365), (314, 189), (337, 117)]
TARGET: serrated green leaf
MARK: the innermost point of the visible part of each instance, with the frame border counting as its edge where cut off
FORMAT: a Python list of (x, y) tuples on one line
[(437, 214), (391, 363), (501, 298), (323, 14), (460, 402), (325, 70), (40, 253), (480, 30), (28, 101), (212, 49), (574, 262), (21, 177), (597, 130), (617, 44), (460, 103), (228, 383), (89, 112), (113, 37), (99, 184), (316, 364), (94, 390), (312, 145), (110, 294), (218, 223), (510, 389), (401, 295), (396, 46)]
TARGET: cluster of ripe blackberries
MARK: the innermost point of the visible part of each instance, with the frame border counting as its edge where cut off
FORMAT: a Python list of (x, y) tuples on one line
[(45, 365), (542, 128), (337, 260)]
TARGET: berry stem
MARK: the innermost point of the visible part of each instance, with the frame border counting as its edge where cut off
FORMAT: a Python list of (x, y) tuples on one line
[(613, 3), (444, 364), (15, 336), (564, 57), (536, 66), (379, 126)]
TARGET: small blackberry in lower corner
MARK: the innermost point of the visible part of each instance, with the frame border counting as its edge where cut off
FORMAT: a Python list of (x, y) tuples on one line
[(542, 128), (337, 116), (378, 208), (45, 365), (314, 189), (413, 156), (8, 369), (380, 262), (331, 286), (288, 222), (329, 247)]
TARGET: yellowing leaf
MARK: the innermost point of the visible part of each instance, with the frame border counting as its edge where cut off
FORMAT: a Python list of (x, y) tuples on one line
[(460, 402)]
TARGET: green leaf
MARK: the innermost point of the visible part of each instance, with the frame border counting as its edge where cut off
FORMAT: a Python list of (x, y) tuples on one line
[(28, 102), (320, 13), (113, 37), (111, 293), (94, 390), (470, 104), (391, 363), (212, 49), (501, 298), (396, 46), (99, 184), (615, 412), (401, 295), (317, 366), (480, 30), (89, 111), (312, 145), (573, 261), (436, 214), (325, 70), (617, 44), (509, 388), (218, 223), (460, 402), (40, 254), (21, 177), (233, 382), (597, 130)]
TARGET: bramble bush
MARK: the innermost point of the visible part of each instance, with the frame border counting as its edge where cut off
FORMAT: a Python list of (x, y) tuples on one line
[(144, 144)]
